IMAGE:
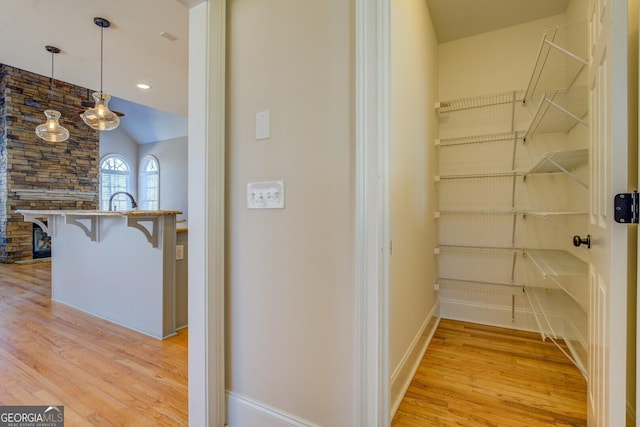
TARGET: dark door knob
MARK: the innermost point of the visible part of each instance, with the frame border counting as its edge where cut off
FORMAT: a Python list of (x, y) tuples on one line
[(577, 241)]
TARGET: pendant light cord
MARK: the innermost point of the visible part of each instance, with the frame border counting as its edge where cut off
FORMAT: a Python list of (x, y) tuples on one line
[(52, 50), (101, 57), (51, 93)]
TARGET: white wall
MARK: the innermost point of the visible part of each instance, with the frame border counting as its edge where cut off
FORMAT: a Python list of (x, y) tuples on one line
[(492, 62), (414, 125), (290, 295), (118, 142), (172, 158)]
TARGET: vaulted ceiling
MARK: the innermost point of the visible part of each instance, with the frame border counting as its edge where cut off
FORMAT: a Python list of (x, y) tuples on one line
[(134, 52), (456, 19)]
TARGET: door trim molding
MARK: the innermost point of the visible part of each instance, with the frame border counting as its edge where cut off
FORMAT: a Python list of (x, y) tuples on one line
[(372, 35), (206, 189)]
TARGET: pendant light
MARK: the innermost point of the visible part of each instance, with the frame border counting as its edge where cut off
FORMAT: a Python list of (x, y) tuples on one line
[(51, 130), (100, 117)]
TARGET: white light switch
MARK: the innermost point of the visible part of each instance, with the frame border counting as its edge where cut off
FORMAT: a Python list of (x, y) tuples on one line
[(265, 195), (179, 252), (263, 125)]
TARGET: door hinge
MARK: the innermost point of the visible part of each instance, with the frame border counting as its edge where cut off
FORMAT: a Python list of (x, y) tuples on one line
[(626, 208)]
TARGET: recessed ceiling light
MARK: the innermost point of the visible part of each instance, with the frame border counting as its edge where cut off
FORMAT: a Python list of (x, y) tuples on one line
[(143, 86)]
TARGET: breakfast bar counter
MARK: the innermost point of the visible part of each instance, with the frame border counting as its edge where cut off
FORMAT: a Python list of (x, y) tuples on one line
[(117, 265)]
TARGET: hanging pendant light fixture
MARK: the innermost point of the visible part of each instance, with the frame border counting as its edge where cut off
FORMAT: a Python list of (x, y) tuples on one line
[(100, 117), (51, 130)]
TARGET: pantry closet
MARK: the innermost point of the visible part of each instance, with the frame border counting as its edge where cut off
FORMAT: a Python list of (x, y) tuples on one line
[(509, 158), (513, 191)]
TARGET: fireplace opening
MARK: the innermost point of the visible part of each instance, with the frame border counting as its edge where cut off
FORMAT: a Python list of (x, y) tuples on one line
[(41, 242)]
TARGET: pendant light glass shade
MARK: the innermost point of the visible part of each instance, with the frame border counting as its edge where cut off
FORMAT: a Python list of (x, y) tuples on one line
[(100, 117), (51, 131)]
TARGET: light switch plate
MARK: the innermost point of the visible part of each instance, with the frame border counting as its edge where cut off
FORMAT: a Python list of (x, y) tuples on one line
[(265, 195), (263, 125)]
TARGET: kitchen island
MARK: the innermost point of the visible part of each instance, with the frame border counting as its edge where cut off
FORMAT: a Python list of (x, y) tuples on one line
[(117, 265)]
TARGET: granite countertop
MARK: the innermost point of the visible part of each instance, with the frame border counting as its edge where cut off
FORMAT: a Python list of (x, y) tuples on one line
[(80, 212), (181, 225)]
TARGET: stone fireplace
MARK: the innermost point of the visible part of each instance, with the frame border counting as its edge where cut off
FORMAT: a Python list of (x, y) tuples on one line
[(35, 174), (41, 242)]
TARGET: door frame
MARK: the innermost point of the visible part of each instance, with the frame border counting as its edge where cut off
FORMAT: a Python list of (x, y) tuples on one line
[(206, 194), (372, 64), (207, 138)]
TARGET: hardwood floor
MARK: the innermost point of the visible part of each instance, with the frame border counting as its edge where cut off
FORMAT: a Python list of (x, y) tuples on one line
[(475, 375), (103, 374)]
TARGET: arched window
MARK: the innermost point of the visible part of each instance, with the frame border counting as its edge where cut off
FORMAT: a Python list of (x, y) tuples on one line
[(115, 175), (149, 183)]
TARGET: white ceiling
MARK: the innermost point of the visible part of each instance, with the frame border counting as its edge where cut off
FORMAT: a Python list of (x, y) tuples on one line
[(456, 19), (134, 52)]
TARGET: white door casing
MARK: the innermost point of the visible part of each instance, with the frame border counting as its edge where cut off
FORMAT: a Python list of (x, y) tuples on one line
[(608, 172)]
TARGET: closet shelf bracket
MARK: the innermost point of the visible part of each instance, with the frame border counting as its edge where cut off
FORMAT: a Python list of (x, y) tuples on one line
[(548, 44), (576, 96), (561, 161), (539, 314)]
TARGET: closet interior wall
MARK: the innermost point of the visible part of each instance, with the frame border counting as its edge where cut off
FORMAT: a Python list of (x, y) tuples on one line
[(513, 178)]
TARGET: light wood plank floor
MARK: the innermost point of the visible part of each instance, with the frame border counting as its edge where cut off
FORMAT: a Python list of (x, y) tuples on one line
[(103, 374), (475, 375)]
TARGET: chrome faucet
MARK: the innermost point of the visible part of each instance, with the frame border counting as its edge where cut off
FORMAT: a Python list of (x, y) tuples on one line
[(134, 205)]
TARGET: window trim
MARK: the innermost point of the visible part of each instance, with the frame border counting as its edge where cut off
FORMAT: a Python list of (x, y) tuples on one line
[(128, 174), (141, 180)]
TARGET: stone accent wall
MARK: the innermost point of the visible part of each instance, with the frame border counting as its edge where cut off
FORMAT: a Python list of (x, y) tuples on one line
[(27, 162)]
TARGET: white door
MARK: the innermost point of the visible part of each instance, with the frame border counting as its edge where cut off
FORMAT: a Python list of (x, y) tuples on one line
[(608, 253)]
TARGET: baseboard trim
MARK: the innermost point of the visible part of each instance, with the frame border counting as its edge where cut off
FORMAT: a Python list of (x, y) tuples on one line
[(243, 411), (99, 316), (405, 371), (492, 315)]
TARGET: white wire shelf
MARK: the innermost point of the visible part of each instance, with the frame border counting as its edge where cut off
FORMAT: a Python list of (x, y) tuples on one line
[(550, 218), (561, 59), (480, 286), (480, 139), (475, 212), (478, 175), (480, 101), (561, 161), (537, 214), (547, 329), (549, 262), (548, 214), (556, 263), (559, 110), (480, 250)]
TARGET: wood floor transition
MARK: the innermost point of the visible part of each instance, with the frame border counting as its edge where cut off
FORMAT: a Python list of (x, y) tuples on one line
[(476, 375), (103, 374), (107, 375)]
